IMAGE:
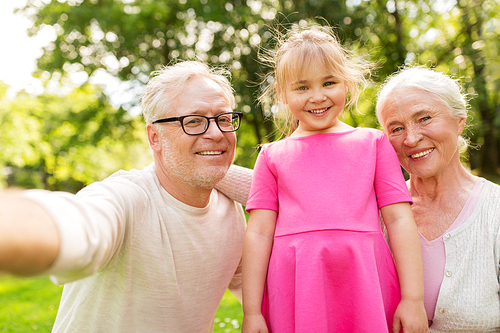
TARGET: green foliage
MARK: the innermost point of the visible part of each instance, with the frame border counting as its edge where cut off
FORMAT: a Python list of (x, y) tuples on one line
[(28, 305), (131, 38), (63, 143)]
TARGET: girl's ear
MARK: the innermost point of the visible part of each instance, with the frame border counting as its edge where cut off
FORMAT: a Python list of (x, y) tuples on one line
[(280, 94)]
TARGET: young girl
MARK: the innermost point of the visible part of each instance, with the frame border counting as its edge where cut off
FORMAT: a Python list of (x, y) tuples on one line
[(315, 258)]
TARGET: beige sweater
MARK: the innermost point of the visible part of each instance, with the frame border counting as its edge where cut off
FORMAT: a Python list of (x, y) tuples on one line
[(140, 260), (236, 184)]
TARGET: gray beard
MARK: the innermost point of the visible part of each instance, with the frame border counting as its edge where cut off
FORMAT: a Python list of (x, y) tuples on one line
[(203, 178)]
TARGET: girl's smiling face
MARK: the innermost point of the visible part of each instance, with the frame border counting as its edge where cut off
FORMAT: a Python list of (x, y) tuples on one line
[(315, 97)]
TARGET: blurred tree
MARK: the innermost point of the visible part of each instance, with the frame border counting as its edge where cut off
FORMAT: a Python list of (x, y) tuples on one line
[(131, 38), (64, 143), (15, 137), (473, 51), (461, 39)]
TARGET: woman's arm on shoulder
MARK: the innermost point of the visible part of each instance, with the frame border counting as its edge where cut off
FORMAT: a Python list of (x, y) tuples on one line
[(236, 184)]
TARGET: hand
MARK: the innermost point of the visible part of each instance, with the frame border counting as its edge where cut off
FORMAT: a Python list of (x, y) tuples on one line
[(410, 317), (254, 324)]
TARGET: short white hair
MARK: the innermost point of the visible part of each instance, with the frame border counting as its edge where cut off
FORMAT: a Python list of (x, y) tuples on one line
[(435, 83), (167, 83)]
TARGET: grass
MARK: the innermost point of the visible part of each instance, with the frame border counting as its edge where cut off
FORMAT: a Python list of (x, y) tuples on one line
[(229, 315), (30, 305)]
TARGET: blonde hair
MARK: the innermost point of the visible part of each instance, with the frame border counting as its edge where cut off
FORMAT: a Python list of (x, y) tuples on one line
[(168, 83), (300, 47)]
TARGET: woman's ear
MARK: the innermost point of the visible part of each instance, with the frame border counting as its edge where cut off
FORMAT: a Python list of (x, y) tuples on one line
[(154, 137), (461, 125)]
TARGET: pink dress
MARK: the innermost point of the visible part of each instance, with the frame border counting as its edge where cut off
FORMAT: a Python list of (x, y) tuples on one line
[(330, 268)]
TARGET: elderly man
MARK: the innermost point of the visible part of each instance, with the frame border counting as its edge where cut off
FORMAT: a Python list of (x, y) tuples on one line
[(143, 251)]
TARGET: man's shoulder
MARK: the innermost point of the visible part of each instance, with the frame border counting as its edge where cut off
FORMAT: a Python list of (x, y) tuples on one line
[(133, 174), (230, 209), (126, 183)]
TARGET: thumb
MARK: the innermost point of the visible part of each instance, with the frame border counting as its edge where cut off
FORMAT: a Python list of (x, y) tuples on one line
[(396, 325)]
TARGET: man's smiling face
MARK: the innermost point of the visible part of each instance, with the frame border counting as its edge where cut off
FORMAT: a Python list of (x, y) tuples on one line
[(199, 161)]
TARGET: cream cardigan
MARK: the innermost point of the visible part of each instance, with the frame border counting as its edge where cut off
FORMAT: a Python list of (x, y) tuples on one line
[(469, 300)]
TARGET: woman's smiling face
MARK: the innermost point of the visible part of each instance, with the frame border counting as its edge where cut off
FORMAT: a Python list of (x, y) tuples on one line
[(422, 131)]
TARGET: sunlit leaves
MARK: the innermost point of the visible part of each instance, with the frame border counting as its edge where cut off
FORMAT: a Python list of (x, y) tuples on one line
[(67, 141), (131, 38)]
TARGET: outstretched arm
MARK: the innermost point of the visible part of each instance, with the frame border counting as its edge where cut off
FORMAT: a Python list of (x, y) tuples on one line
[(405, 244), (29, 240)]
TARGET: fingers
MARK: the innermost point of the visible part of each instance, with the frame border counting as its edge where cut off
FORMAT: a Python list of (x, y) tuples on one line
[(396, 325)]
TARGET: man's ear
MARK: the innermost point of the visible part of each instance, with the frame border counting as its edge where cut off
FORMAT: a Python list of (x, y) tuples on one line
[(153, 137)]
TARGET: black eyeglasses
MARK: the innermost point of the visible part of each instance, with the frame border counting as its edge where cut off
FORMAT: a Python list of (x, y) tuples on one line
[(196, 124)]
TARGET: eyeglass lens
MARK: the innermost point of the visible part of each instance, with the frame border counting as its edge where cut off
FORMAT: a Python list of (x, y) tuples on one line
[(197, 124)]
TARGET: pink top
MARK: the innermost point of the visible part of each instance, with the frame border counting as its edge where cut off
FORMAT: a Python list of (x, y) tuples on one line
[(330, 267), (434, 256), (356, 172)]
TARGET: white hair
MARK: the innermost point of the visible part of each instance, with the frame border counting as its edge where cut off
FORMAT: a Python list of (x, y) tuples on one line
[(430, 81), (168, 83)]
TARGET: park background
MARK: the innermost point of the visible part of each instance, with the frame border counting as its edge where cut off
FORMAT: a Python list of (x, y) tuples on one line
[(81, 121)]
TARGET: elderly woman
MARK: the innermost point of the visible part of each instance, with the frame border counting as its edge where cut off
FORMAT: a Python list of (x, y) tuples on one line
[(458, 214)]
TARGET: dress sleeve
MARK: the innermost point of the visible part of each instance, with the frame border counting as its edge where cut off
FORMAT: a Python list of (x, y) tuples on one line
[(390, 185), (236, 184), (264, 189)]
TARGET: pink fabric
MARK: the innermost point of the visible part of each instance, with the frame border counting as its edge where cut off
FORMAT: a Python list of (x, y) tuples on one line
[(330, 268), (434, 256)]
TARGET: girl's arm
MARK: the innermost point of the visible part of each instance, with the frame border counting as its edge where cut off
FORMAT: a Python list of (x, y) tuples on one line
[(405, 245), (256, 252)]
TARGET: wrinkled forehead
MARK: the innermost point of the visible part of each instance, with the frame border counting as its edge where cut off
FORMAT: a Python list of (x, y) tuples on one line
[(406, 103), (202, 96)]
